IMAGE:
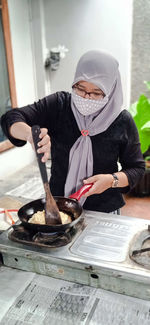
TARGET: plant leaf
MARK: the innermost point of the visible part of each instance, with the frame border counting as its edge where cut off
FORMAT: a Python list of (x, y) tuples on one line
[(140, 112), (143, 112), (144, 140), (147, 83), (133, 109), (146, 127)]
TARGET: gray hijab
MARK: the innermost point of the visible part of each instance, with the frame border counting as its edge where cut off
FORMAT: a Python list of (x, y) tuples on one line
[(101, 69)]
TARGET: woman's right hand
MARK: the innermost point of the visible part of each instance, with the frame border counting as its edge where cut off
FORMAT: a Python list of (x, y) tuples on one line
[(22, 131), (44, 144)]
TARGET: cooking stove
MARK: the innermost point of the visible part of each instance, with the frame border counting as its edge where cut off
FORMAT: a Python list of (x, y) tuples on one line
[(40, 239), (104, 251)]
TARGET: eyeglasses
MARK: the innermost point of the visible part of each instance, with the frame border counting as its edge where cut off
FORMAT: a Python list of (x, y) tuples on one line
[(92, 95)]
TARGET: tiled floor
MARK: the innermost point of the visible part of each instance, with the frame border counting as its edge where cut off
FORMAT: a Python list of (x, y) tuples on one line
[(138, 207)]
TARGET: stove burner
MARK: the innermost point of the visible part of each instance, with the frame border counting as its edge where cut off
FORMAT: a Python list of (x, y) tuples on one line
[(51, 240), (140, 250)]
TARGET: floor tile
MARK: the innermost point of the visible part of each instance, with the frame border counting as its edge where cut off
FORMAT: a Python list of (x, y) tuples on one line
[(138, 207)]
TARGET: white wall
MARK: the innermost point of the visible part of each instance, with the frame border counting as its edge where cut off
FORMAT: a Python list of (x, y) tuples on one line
[(37, 28), (83, 25), (17, 158), (22, 51)]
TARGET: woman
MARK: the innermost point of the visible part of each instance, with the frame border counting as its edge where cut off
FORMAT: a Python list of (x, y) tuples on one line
[(89, 133)]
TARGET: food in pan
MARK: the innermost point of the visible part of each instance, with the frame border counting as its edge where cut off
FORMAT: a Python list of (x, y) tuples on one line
[(39, 218)]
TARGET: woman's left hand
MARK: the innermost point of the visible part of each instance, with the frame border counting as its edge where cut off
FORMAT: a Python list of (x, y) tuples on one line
[(101, 183)]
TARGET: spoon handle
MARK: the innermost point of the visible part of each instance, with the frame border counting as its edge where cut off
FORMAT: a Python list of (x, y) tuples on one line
[(35, 134), (52, 215)]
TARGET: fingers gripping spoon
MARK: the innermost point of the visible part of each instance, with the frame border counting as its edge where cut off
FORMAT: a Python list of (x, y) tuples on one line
[(52, 215)]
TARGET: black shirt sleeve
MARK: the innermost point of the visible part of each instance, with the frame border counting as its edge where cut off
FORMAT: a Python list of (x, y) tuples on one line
[(43, 113), (131, 158)]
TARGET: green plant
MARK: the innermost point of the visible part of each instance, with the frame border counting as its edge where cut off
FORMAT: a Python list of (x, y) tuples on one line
[(140, 112), (147, 162), (147, 158)]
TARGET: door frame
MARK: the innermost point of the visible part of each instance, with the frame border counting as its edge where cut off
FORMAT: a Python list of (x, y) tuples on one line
[(5, 145)]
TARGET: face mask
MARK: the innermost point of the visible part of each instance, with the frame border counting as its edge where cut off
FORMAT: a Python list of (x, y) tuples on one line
[(88, 106)]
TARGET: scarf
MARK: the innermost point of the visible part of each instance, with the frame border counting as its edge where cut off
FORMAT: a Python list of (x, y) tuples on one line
[(100, 69)]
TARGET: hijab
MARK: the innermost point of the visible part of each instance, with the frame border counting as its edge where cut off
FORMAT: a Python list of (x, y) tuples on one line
[(100, 69)]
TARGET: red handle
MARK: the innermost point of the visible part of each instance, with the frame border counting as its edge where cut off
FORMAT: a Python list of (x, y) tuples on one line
[(10, 210), (9, 216), (77, 195)]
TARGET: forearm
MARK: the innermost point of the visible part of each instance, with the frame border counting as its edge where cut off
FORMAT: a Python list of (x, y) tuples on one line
[(123, 180), (108, 179), (103, 182), (20, 130)]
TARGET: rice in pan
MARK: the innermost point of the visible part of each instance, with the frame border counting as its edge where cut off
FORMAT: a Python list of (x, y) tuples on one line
[(39, 218)]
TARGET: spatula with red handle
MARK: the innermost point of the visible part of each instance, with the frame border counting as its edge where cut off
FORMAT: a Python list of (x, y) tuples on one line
[(52, 215)]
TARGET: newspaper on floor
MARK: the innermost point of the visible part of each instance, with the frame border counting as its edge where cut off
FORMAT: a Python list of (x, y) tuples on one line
[(32, 189), (37, 299)]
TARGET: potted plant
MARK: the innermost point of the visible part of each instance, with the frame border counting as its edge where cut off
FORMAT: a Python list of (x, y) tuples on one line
[(140, 112)]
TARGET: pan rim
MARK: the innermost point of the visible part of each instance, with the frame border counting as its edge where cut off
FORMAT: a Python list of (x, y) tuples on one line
[(51, 228)]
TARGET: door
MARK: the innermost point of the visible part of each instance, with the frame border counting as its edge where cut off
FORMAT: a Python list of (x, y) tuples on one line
[(7, 79), (5, 101)]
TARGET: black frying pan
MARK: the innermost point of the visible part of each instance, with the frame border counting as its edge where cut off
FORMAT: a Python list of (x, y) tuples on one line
[(70, 205)]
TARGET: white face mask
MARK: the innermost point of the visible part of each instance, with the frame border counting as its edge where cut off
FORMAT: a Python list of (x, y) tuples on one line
[(88, 106)]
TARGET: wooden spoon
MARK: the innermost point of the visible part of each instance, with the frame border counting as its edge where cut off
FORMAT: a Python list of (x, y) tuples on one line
[(52, 215)]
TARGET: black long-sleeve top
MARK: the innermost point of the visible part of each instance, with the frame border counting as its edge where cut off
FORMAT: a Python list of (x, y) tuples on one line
[(120, 142)]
